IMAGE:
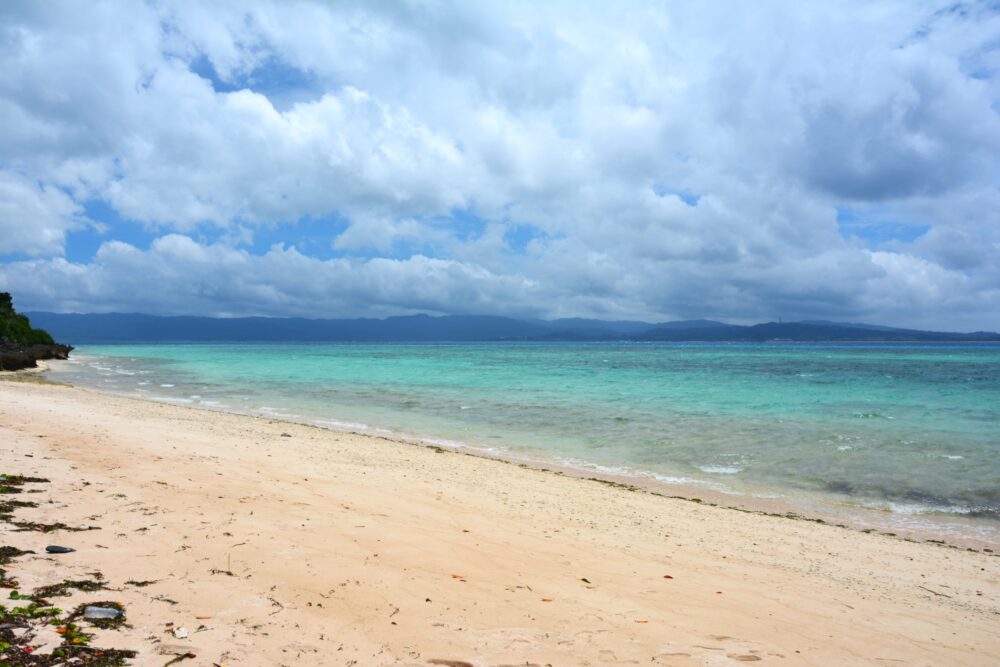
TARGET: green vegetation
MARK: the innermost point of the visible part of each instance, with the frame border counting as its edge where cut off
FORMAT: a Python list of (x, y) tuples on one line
[(16, 328)]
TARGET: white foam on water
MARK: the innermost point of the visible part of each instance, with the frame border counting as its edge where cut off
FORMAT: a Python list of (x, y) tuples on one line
[(354, 426), (271, 412), (443, 442), (721, 470), (167, 386), (171, 399), (845, 448), (952, 457), (923, 508), (670, 479)]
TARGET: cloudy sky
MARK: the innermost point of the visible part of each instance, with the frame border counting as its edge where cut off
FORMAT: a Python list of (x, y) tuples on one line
[(742, 161)]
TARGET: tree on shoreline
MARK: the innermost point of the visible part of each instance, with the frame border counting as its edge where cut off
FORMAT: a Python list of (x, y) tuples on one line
[(15, 327)]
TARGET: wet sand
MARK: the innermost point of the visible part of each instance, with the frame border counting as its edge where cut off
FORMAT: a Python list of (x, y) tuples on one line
[(276, 543)]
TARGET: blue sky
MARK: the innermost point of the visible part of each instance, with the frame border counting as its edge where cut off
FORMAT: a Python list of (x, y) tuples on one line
[(661, 160)]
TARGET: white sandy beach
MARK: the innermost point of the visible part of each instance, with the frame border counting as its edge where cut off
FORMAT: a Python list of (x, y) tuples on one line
[(276, 543)]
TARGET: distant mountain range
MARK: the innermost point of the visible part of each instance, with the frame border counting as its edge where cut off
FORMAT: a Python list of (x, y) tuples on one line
[(133, 328)]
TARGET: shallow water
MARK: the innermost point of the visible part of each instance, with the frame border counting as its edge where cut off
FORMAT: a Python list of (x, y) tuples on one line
[(910, 429)]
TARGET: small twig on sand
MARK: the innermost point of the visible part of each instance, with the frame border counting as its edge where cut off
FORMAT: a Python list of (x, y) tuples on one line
[(944, 595)]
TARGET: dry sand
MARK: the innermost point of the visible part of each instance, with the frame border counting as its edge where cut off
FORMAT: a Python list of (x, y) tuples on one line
[(326, 548)]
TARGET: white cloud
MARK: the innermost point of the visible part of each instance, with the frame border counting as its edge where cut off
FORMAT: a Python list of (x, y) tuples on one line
[(180, 275), (34, 218), (681, 160)]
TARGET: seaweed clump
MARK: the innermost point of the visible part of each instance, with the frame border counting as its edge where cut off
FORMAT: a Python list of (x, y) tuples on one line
[(63, 589), (13, 483)]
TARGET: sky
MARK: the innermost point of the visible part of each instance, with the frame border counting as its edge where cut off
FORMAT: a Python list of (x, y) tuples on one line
[(743, 161)]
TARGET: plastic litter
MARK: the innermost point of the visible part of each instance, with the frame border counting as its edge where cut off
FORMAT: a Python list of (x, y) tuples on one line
[(180, 633), (95, 613)]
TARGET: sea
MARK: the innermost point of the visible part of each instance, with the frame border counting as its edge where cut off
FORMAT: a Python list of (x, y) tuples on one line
[(894, 437)]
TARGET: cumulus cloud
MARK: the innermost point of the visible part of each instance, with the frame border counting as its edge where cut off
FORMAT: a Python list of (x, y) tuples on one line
[(34, 217), (180, 275), (639, 160)]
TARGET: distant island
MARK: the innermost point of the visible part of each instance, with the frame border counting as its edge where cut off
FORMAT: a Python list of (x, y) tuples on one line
[(21, 345), (129, 328)]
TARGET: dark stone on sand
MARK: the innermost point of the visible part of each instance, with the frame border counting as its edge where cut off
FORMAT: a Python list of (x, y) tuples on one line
[(56, 549)]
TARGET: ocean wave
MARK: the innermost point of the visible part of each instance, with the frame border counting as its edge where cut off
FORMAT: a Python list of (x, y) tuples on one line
[(983, 503), (172, 399), (871, 415), (354, 426), (922, 509), (720, 470), (441, 442)]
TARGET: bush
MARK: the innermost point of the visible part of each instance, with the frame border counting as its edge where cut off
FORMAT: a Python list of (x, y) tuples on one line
[(16, 328)]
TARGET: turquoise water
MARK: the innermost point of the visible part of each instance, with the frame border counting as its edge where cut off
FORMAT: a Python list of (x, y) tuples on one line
[(910, 429)]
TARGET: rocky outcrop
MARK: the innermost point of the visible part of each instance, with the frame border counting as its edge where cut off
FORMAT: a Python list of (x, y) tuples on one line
[(15, 357), (21, 345)]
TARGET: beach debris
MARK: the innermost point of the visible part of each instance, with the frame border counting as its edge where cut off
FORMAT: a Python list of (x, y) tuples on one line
[(101, 619), (56, 549), (13, 483), (62, 588), (939, 594), (141, 583), (7, 554), (585, 580), (286, 435), (37, 527), (180, 633), (667, 576), (190, 655), (7, 508), (101, 613)]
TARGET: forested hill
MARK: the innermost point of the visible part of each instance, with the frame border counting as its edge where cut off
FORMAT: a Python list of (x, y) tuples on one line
[(117, 327)]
